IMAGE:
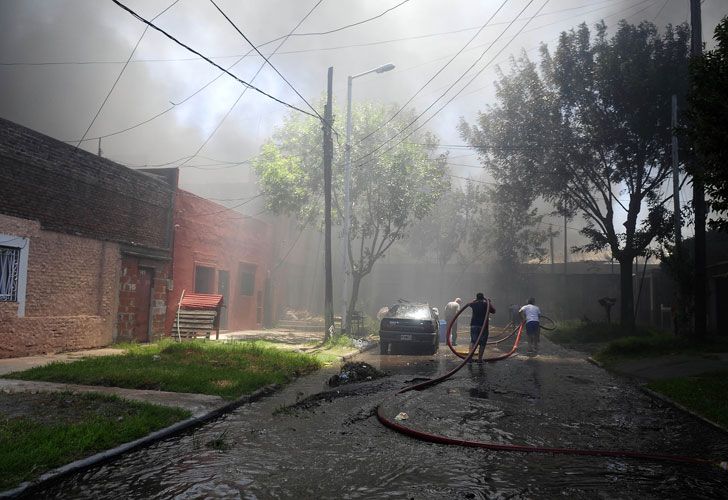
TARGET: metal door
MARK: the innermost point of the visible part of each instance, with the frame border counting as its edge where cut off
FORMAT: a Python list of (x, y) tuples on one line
[(143, 302), (223, 288)]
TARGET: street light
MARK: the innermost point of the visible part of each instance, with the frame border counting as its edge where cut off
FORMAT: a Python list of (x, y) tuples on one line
[(347, 183)]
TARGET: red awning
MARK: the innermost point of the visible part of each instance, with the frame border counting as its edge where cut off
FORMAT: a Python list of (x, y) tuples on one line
[(201, 301)]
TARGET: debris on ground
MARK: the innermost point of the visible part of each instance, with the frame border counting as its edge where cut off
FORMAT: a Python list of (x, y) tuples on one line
[(401, 416), (355, 372)]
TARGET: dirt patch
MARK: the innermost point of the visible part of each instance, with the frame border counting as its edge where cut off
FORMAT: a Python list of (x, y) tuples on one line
[(60, 408)]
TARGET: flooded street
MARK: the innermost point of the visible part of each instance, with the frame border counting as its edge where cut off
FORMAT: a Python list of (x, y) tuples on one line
[(331, 445)]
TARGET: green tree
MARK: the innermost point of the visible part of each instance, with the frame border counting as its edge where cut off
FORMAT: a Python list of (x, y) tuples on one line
[(389, 191), (707, 116), (443, 232), (591, 133)]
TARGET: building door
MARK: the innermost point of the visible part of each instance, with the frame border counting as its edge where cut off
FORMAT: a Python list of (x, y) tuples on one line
[(143, 302), (223, 288)]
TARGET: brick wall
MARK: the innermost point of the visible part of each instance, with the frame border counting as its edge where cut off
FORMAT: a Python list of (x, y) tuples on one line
[(71, 298), (207, 234), (73, 191)]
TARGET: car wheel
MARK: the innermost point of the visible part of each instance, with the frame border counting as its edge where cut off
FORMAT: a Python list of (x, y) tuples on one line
[(434, 348), (383, 347)]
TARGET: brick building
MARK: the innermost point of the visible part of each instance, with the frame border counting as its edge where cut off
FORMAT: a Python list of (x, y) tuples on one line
[(85, 247), (217, 250)]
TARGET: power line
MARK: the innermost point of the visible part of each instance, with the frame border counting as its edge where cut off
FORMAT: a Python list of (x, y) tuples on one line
[(266, 59), (301, 51), (404, 106), (464, 86), (240, 58), (557, 38), (243, 82), (113, 86), (232, 107)]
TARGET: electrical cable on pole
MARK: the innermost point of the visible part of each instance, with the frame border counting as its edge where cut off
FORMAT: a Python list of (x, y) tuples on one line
[(328, 157)]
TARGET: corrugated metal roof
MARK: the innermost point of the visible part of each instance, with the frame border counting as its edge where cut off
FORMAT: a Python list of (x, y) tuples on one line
[(201, 301)]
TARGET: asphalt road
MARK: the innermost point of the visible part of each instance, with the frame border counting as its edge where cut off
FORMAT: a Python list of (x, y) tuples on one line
[(311, 441)]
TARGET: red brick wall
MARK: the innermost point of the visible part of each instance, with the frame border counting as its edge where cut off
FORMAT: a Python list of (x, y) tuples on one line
[(128, 283), (71, 296), (207, 234)]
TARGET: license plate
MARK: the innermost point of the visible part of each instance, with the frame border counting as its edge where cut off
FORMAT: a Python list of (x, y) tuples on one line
[(405, 337)]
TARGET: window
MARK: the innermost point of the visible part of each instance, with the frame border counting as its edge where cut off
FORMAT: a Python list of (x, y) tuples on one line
[(204, 279), (246, 275), (9, 270), (13, 270)]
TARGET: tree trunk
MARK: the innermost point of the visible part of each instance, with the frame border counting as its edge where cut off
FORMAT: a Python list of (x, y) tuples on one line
[(356, 281), (626, 308)]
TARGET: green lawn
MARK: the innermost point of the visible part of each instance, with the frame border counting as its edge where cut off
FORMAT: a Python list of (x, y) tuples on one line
[(227, 370), (39, 432), (705, 394), (609, 343)]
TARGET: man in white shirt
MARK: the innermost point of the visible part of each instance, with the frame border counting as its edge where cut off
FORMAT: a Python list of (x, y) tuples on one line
[(532, 315), (451, 309)]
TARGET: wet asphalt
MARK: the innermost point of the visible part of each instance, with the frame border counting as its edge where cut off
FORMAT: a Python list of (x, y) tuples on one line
[(329, 444)]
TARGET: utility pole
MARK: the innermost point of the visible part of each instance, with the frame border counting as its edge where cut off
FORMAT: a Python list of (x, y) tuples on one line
[(328, 156), (676, 178), (566, 249), (696, 50), (100, 147), (552, 233)]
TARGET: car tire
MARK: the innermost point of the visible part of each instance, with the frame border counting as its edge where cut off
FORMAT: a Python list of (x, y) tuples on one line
[(433, 349), (383, 347)]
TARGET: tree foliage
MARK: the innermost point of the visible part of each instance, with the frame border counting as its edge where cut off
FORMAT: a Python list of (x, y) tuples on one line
[(589, 131), (707, 116), (389, 190)]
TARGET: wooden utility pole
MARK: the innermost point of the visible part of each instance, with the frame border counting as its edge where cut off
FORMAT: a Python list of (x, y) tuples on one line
[(676, 178), (328, 156), (566, 248), (696, 50)]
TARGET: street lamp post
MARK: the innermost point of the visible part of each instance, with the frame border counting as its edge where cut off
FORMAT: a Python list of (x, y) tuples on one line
[(347, 202)]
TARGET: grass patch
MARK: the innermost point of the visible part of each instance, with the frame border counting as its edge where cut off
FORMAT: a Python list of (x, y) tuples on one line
[(704, 394), (655, 345), (227, 370), (578, 332), (39, 432)]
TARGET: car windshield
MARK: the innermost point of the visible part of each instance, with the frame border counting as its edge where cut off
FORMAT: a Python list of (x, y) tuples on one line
[(408, 311)]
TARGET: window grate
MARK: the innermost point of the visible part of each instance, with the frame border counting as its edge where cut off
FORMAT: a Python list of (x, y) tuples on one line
[(9, 269)]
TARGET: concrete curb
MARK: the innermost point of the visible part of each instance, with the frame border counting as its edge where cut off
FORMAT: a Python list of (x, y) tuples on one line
[(595, 362), (55, 475), (665, 399), (59, 473)]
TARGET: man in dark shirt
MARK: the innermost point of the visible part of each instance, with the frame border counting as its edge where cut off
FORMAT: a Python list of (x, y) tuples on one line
[(477, 320)]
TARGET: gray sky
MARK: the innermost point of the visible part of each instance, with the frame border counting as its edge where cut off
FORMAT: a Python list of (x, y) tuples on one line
[(61, 99)]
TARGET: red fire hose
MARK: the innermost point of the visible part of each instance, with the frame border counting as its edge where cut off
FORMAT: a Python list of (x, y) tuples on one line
[(436, 438)]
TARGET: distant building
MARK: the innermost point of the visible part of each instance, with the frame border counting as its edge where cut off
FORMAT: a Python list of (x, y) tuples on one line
[(220, 251)]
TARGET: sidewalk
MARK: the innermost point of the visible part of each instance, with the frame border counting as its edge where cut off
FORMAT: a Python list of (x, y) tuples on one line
[(674, 365), (9, 365)]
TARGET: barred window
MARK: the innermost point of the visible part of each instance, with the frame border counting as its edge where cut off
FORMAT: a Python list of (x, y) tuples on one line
[(9, 271)]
